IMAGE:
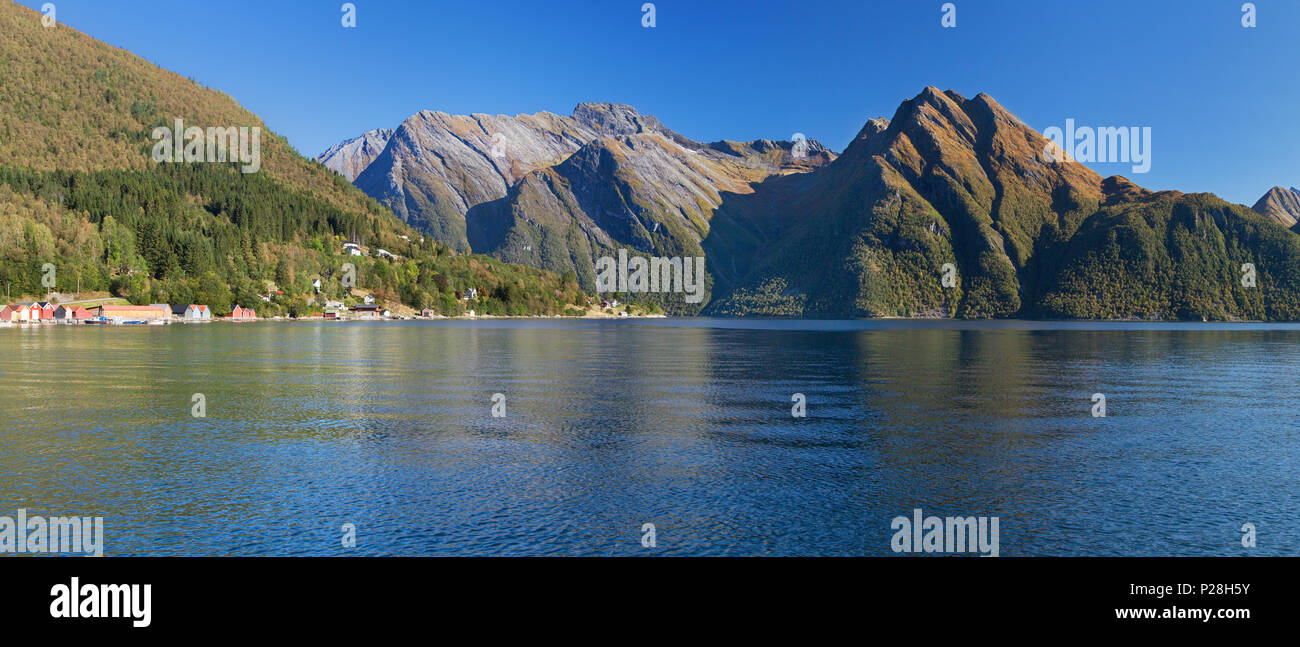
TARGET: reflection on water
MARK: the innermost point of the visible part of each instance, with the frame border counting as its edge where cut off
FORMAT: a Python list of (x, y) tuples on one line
[(683, 423)]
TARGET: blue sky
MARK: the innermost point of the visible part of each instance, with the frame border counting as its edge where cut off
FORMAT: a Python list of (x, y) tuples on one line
[(1222, 100)]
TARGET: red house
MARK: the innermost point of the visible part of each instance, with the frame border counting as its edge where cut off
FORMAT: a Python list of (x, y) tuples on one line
[(47, 309), (242, 313)]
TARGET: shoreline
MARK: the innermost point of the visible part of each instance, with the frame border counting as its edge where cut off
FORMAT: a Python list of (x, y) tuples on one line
[(937, 322), (183, 322)]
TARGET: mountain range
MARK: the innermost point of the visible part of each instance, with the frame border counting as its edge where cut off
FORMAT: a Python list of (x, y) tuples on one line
[(946, 209), (792, 229)]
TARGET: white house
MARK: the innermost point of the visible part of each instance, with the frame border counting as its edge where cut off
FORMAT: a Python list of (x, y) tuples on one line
[(192, 312), (352, 249)]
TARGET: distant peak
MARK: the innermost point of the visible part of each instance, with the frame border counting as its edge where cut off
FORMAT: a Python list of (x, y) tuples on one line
[(604, 111), (930, 92), (587, 107)]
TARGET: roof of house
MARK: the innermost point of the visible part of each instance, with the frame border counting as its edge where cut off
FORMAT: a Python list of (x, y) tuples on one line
[(111, 308)]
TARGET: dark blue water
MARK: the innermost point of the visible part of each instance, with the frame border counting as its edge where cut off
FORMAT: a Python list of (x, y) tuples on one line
[(685, 424)]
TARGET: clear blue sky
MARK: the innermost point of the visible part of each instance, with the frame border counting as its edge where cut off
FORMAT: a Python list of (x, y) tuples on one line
[(1222, 100)]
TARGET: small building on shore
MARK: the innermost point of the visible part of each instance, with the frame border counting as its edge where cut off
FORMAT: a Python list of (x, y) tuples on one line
[(369, 311), (241, 313), (192, 312), (143, 313)]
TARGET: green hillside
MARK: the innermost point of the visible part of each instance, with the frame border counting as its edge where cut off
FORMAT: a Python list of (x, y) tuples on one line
[(79, 190), (959, 181)]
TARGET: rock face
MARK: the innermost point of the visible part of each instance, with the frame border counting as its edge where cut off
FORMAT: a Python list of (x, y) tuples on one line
[(436, 167), (651, 192), (349, 158), (1282, 205)]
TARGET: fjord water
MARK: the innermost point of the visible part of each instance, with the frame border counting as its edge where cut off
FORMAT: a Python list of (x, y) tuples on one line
[(682, 423)]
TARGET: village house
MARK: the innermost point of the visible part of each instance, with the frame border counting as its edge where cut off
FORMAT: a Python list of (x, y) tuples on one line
[(243, 314), (7, 313), (192, 312), (427, 313), (46, 309), (369, 311), (351, 249)]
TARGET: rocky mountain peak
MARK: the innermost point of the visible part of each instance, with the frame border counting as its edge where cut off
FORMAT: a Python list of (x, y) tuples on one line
[(1280, 204), (350, 157), (615, 119)]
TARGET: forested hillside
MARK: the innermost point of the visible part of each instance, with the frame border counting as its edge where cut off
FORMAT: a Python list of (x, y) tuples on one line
[(79, 190)]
